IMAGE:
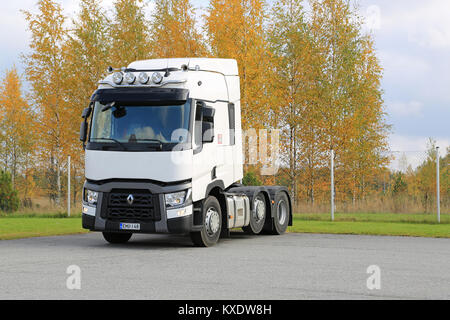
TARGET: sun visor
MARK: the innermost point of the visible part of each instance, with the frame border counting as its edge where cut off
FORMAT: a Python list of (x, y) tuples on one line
[(148, 96)]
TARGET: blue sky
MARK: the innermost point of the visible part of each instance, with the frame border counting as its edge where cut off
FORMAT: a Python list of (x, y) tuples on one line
[(412, 39)]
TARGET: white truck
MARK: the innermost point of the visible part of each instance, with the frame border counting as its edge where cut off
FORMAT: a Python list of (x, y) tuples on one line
[(163, 154)]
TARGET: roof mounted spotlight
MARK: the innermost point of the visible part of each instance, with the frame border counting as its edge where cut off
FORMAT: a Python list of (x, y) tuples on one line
[(143, 77), (157, 78), (130, 77), (117, 78), (184, 67)]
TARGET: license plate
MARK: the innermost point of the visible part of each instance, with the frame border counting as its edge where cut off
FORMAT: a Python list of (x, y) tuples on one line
[(130, 226)]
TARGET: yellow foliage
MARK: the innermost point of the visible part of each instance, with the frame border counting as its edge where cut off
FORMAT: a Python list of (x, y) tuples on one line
[(16, 133), (173, 31)]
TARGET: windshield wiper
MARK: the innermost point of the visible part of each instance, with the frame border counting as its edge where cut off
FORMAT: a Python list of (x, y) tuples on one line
[(159, 142), (108, 106), (111, 139)]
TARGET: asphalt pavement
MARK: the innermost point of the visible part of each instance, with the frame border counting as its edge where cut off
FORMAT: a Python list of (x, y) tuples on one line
[(292, 266)]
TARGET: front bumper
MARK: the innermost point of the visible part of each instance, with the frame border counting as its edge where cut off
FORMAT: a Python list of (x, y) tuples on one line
[(180, 225), (177, 220)]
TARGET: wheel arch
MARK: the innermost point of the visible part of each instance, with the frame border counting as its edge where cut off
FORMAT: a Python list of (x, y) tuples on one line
[(251, 192), (273, 191), (291, 211), (216, 189)]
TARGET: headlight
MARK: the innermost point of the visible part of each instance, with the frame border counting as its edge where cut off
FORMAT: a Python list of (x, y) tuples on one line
[(177, 198), (130, 77), (117, 77), (91, 197)]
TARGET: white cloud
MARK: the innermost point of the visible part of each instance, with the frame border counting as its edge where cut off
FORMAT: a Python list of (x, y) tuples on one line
[(425, 23), (431, 37), (412, 150), (402, 64), (405, 109), (408, 143), (372, 18), (13, 25), (109, 4), (432, 28)]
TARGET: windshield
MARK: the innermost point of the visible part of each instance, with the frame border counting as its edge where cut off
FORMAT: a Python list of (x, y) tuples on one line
[(114, 123)]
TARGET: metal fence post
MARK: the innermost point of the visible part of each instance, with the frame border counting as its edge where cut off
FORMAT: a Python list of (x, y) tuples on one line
[(438, 200), (332, 185), (68, 186)]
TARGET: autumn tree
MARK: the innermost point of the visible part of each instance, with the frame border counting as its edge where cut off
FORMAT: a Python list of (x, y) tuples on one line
[(349, 92), (236, 30), (426, 176), (45, 71), (87, 59), (129, 34), (445, 178), (9, 200), (335, 37), (312, 74), (293, 86), (16, 133), (366, 154), (174, 32), (88, 52)]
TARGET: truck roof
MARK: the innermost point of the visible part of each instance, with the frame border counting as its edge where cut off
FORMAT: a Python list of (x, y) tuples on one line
[(227, 67)]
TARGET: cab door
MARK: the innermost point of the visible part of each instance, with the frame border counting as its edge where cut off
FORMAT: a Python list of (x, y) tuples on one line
[(204, 144)]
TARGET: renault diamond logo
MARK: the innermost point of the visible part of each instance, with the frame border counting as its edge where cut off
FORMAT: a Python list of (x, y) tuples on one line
[(130, 199)]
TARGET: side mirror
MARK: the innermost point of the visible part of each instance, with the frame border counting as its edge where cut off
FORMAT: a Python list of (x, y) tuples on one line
[(86, 113), (83, 131), (84, 126), (208, 132)]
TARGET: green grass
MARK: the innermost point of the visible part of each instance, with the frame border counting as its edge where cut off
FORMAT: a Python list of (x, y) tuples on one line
[(376, 217), (15, 226), (40, 215), (19, 227), (417, 225)]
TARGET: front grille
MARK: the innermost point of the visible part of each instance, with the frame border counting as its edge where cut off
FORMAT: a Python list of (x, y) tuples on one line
[(145, 206), (130, 213), (139, 200)]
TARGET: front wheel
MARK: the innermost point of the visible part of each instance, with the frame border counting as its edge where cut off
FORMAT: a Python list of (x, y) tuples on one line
[(212, 224), (115, 238)]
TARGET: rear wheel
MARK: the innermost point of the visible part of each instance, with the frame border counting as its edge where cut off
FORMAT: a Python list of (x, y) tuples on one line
[(212, 224), (282, 213), (257, 215), (112, 237)]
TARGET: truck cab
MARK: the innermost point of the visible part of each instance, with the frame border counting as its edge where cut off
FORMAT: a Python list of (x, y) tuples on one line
[(163, 154)]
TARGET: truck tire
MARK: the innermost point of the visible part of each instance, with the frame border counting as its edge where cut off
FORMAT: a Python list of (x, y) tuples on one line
[(212, 224), (113, 237), (258, 214), (282, 213)]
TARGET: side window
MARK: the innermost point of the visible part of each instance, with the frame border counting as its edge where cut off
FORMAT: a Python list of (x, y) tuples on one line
[(232, 123), (198, 131), (104, 126)]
